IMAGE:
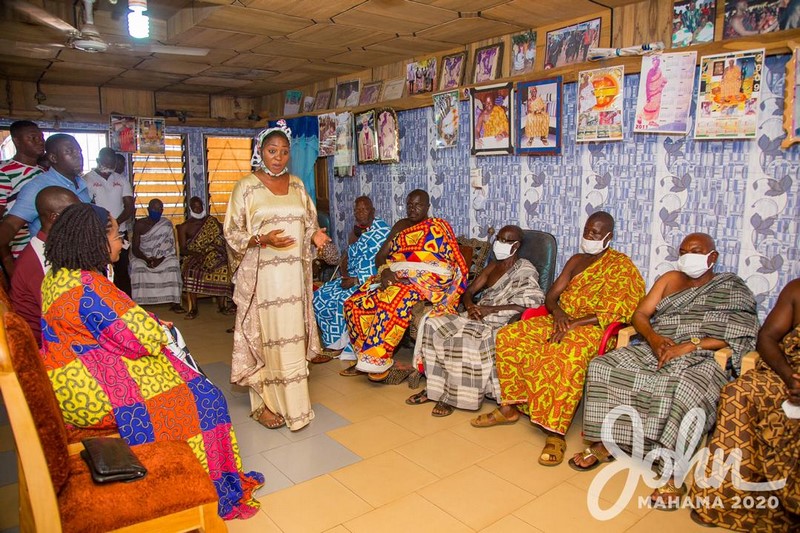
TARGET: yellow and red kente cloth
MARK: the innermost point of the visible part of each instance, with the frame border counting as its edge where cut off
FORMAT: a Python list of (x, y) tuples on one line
[(109, 366), (546, 379), (427, 259)]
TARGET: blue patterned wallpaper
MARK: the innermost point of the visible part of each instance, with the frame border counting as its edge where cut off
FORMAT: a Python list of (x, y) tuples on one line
[(746, 194)]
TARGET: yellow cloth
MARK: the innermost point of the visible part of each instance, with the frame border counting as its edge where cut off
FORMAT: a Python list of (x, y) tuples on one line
[(537, 123), (497, 124)]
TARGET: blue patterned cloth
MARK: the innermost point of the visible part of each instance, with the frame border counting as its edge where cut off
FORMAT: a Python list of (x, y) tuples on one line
[(329, 299)]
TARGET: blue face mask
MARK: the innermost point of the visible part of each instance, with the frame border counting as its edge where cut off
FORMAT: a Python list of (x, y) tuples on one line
[(155, 216)]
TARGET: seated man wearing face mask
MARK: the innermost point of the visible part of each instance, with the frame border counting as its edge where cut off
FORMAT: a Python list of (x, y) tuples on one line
[(541, 362), (155, 270), (687, 315), (458, 349), (204, 259)]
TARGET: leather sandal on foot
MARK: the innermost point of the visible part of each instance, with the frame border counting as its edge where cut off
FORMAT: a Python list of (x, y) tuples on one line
[(351, 371), (495, 418), (668, 497), (274, 423), (320, 359), (591, 451), (418, 398), (442, 409), (553, 451)]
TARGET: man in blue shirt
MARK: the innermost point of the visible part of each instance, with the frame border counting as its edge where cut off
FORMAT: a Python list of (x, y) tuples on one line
[(66, 165)]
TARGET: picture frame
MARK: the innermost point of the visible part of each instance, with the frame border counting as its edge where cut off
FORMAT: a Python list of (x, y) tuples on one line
[(150, 135), (421, 76), (452, 71), (791, 100), (523, 52), (344, 156), (347, 93), (292, 101), (322, 100), (388, 136), (327, 134), (308, 104), (393, 89), (491, 117), (488, 63), (446, 119), (693, 26), (762, 16), (600, 104), (570, 44), (539, 110), (122, 133), (370, 93), (366, 137)]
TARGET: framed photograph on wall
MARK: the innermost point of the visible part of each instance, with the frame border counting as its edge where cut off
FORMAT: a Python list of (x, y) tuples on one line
[(292, 101), (488, 63), (388, 136), (791, 101), (600, 104), (344, 159), (421, 76), (446, 119), (539, 112), (327, 134), (571, 44), (523, 52), (744, 18), (366, 137), (308, 104), (323, 99), (122, 134), (393, 89), (452, 71), (491, 116), (370, 93), (150, 135), (693, 22), (347, 93)]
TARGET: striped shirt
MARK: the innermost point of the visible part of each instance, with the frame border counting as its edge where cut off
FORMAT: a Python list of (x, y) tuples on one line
[(13, 175)]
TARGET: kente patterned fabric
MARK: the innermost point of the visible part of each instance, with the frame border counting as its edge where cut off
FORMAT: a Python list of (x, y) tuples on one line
[(206, 272), (275, 331), (459, 351), (377, 318), (544, 379), (751, 419), (160, 285), (110, 368), (725, 309), (329, 299)]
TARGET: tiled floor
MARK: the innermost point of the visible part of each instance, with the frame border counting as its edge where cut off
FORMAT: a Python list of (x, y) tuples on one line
[(369, 463)]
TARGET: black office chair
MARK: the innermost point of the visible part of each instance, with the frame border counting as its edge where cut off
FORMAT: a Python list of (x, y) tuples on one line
[(540, 248)]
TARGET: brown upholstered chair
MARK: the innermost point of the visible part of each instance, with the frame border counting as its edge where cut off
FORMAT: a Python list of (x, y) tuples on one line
[(56, 490)]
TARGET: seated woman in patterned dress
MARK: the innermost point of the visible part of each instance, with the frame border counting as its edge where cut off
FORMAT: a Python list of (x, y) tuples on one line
[(112, 365)]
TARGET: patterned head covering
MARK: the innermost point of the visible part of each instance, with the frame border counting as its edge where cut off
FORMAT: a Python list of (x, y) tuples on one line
[(282, 127)]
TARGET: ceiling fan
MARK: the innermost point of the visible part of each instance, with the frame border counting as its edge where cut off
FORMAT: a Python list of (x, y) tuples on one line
[(87, 38)]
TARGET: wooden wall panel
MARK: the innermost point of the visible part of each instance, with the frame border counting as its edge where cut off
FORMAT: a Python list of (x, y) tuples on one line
[(226, 107), (643, 22), (127, 102), (194, 105)]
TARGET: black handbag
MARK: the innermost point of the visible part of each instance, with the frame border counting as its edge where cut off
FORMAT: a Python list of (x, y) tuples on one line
[(111, 459)]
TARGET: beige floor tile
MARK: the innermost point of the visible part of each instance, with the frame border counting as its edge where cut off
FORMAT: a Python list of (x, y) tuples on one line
[(418, 418), (412, 513), (358, 407), (6, 439), (499, 438), (260, 523), (519, 465), (564, 509), (9, 506), (372, 436), (384, 478), (476, 497), (338, 529), (348, 386), (315, 505), (443, 453), (669, 521), (323, 393), (510, 524), (613, 488)]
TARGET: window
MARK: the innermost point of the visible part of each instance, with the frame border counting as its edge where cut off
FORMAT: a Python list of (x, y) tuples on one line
[(227, 160), (162, 176), (90, 143)]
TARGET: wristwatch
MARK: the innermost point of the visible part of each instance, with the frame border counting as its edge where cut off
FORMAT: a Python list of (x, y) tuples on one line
[(696, 342)]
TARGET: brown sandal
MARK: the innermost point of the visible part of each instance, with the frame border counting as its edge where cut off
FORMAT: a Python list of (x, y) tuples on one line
[(495, 418), (554, 446), (591, 451), (442, 409), (320, 359), (351, 371), (667, 497), (275, 422), (418, 398)]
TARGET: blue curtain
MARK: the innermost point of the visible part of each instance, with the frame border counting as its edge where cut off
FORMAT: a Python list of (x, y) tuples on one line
[(305, 150)]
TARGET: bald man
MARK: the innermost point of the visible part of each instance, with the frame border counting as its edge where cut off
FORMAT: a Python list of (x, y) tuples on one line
[(26, 285), (687, 315)]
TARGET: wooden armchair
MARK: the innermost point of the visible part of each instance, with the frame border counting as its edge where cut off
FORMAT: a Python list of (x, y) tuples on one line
[(56, 490)]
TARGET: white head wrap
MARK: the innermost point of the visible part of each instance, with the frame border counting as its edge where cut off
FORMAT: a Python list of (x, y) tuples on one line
[(282, 127)]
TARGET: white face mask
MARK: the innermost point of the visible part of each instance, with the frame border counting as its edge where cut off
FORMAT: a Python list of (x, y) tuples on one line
[(694, 265), (594, 247), (104, 170), (502, 250), (201, 214)]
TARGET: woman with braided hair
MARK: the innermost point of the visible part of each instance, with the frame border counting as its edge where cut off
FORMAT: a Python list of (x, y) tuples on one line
[(270, 226), (114, 366)]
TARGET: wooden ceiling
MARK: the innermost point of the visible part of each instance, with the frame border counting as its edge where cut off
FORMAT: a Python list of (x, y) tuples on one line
[(261, 47)]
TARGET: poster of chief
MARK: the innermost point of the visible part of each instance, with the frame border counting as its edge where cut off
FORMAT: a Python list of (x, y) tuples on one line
[(693, 22), (729, 95), (491, 117), (122, 134), (600, 104), (666, 85), (150, 135), (746, 18), (539, 115), (344, 158), (446, 119)]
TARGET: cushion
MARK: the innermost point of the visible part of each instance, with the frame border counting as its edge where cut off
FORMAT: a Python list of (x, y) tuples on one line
[(39, 394), (175, 481)]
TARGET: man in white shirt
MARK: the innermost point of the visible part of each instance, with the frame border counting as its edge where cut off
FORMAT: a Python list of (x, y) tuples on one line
[(113, 191)]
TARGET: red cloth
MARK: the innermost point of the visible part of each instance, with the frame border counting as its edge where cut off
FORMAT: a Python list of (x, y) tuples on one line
[(26, 288)]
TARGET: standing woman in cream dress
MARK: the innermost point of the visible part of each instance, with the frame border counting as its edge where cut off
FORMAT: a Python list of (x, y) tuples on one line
[(270, 226)]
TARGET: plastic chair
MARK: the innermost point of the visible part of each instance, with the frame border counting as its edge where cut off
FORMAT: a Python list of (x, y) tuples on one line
[(609, 333)]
